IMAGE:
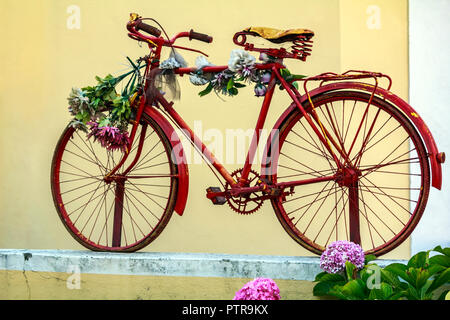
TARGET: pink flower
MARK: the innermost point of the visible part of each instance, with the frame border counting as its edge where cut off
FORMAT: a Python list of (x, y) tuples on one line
[(110, 138), (259, 289), (337, 253)]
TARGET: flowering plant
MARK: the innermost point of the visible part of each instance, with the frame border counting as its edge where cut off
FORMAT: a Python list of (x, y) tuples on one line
[(421, 278), (337, 253), (106, 112), (259, 289)]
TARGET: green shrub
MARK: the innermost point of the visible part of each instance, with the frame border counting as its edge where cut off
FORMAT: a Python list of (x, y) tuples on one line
[(419, 279)]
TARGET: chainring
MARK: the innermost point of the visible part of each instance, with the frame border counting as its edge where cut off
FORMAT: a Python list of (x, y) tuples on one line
[(244, 204)]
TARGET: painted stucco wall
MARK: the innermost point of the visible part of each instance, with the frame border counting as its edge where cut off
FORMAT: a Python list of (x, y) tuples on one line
[(46, 54)]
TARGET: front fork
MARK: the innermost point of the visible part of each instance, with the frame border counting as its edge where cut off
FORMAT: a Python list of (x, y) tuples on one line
[(120, 179)]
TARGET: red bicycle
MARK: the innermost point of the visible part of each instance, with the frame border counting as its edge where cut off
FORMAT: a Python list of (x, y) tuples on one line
[(364, 173)]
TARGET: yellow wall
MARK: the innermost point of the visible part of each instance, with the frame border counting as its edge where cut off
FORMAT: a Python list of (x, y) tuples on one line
[(41, 59), (34, 285)]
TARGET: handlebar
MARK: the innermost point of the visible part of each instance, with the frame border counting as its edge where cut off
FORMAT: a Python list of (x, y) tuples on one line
[(200, 36), (147, 28), (136, 24)]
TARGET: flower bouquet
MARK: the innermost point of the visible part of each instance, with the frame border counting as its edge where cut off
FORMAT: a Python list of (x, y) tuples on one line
[(102, 112)]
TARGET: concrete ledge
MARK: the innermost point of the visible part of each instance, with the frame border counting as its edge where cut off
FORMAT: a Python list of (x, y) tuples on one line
[(165, 264)]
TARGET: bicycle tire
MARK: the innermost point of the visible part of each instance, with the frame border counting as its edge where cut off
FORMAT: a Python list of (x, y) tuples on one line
[(388, 209), (80, 164)]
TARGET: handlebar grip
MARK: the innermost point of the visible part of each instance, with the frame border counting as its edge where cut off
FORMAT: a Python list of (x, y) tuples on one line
[(200, 36), (148, 28)]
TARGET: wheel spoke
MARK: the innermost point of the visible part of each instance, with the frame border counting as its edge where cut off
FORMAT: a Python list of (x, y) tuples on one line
[(380, 186), (119, 213)]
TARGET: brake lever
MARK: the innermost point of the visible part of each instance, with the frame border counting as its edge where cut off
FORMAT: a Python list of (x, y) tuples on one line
[(190, 49)]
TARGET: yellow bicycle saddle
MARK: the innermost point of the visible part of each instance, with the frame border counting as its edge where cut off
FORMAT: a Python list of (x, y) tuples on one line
[(279, 36)]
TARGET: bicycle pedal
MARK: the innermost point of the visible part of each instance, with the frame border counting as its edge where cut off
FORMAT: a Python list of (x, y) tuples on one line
[(216, 195)]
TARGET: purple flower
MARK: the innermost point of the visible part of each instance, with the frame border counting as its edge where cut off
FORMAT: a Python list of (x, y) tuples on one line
[(337, 253), (265, 78), (263, 57), (110, 138), (259, 289), (260, 90)]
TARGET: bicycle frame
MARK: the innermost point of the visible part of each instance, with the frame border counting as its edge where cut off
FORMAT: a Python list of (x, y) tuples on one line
[(238, 186), (342, 203)]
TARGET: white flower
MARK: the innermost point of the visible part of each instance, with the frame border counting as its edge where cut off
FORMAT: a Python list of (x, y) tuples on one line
[(202, 62), (78, 102), (240, 60), (170, 63), (197, 80)]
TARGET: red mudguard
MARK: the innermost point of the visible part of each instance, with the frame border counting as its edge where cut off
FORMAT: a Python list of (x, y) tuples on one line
[(178, 157), (436, 170)]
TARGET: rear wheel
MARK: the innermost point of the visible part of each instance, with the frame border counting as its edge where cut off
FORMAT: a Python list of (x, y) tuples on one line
[(379, 194), (125, 213)]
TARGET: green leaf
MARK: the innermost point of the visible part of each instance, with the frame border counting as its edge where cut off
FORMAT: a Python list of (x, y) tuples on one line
[(392, 279), (319, 276), (384, 293), (398, 269), (445, 251), (207, 90), (443, 294), (132, 63), (375, 295), (397, 295), (354, 288), (386, 290), (104, 122), (411, 293), (440, 280), (418, 260), (239, 85), (420, 277), (332, 277), (440, 260), (368, 258), (230, 84), (297, 76), (295, 84), (322, 288), (233, 91), (337, 291), (424, 289), (350, 270), (435, 268), (285, 73)]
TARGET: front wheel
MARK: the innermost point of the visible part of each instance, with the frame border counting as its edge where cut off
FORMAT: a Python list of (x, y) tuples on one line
[(124, 213), (380, 190)]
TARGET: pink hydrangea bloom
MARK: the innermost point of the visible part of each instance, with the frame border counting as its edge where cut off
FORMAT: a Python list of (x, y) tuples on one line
[(259, 289), (110, 138), (337, 253)]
